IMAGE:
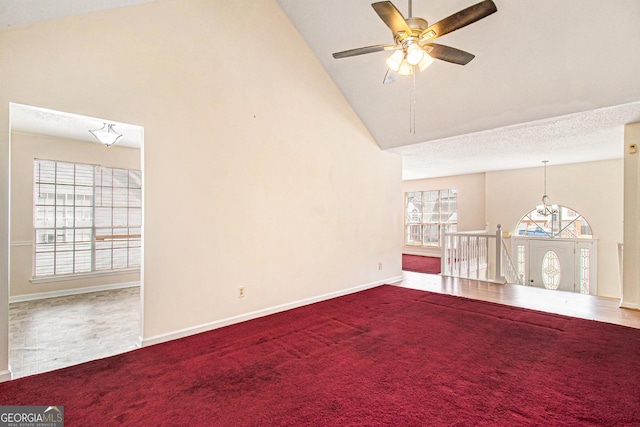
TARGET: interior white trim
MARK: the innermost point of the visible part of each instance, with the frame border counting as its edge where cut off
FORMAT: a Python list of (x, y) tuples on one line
[(75, 276), (22, 243), (260, 313), (629, 305), (5, 375), (67, 292)]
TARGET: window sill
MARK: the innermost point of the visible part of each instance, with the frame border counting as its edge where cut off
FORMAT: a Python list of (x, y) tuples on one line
[(78, 276)]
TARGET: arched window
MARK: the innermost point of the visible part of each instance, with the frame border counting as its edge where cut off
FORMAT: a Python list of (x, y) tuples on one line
[(561, 222)]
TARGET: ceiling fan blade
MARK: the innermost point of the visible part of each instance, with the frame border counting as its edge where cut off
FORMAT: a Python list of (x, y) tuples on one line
[(458, 20), (363, 50), (392, 17), (449, 54), (390, 77)]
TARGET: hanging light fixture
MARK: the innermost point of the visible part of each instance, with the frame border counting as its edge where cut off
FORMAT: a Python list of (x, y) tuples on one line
[(405, 69), (395, 60), (545, 209), (414, 54), (426, 61), (403, 61), (106, 134)]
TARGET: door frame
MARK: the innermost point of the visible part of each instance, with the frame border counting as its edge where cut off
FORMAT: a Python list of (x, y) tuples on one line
[(521, 255)]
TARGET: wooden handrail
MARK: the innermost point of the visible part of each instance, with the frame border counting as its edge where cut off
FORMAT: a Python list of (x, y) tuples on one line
[(118, 237)]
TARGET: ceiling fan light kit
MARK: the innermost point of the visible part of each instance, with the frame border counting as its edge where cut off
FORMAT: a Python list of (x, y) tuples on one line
[(426, 61), (395, 60), (413, 36), (415, 54)]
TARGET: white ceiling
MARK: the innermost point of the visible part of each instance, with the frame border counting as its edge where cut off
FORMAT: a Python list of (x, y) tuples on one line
[(42, 121), (551, 80), (539, 67)]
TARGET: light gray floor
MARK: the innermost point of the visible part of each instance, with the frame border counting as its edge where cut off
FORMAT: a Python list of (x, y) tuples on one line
[(57, 332)]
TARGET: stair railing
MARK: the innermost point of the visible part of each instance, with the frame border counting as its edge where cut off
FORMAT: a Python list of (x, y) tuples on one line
[(467, 254)]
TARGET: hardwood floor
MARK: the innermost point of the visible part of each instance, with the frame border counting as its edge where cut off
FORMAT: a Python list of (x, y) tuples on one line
[(58, 332), (567, 303)]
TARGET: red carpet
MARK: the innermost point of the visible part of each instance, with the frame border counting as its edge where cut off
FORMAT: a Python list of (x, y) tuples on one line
[(383, 357), (421, 264)]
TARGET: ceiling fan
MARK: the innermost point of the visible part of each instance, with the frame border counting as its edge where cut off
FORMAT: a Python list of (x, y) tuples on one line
[(413, 36)]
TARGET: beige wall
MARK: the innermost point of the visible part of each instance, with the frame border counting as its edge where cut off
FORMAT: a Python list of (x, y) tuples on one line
[(471, 195), (24, 149), (631, 274), (594, 189), (257, 173)]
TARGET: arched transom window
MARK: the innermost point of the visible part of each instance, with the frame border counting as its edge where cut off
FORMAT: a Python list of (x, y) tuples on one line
[(561, 222)]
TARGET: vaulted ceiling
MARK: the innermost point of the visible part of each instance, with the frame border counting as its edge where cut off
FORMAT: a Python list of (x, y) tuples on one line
[(539, 67), (551, 80)]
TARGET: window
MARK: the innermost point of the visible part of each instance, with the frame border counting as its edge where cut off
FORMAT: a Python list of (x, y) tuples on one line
[(521, 264), (427, 213), (86, 218), (584, 270), (564, 224)]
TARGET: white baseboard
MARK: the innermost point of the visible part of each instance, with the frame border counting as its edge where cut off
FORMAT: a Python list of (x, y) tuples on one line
[(67, 292), (5, 375), (629, 305), (260, 313)]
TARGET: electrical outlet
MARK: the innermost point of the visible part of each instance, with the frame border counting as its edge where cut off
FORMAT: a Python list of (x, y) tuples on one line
[(379, 265), (241, 292)]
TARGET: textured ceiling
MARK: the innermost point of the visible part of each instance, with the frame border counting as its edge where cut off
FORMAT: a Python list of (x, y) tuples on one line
[(574, 138), (552, 80)]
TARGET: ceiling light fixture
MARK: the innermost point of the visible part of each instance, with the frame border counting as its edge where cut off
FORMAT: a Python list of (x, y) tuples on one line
[(106, 134), (395, 61), (414, 54), (426, 61), (405, 69), (545, 209)]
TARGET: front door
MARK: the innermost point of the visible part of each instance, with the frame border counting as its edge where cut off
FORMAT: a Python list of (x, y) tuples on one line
[(552, 264), (557, 264)]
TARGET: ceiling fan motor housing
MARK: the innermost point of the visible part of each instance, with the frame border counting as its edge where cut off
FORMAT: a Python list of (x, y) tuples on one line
[(417, 26)]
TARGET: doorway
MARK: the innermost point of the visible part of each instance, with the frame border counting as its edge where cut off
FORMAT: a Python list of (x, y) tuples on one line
[(61, 239), (557, 264)]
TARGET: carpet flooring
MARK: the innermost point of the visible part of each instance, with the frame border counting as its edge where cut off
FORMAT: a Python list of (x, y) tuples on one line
[(387, 356), (421, 264)]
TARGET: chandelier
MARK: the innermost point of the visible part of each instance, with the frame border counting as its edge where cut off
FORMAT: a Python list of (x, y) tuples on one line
[(545, 209)]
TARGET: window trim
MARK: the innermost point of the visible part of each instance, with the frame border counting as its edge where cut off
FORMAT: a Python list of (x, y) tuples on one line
[(73, 228), (439, 224), (557, 229), (78, 276)]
